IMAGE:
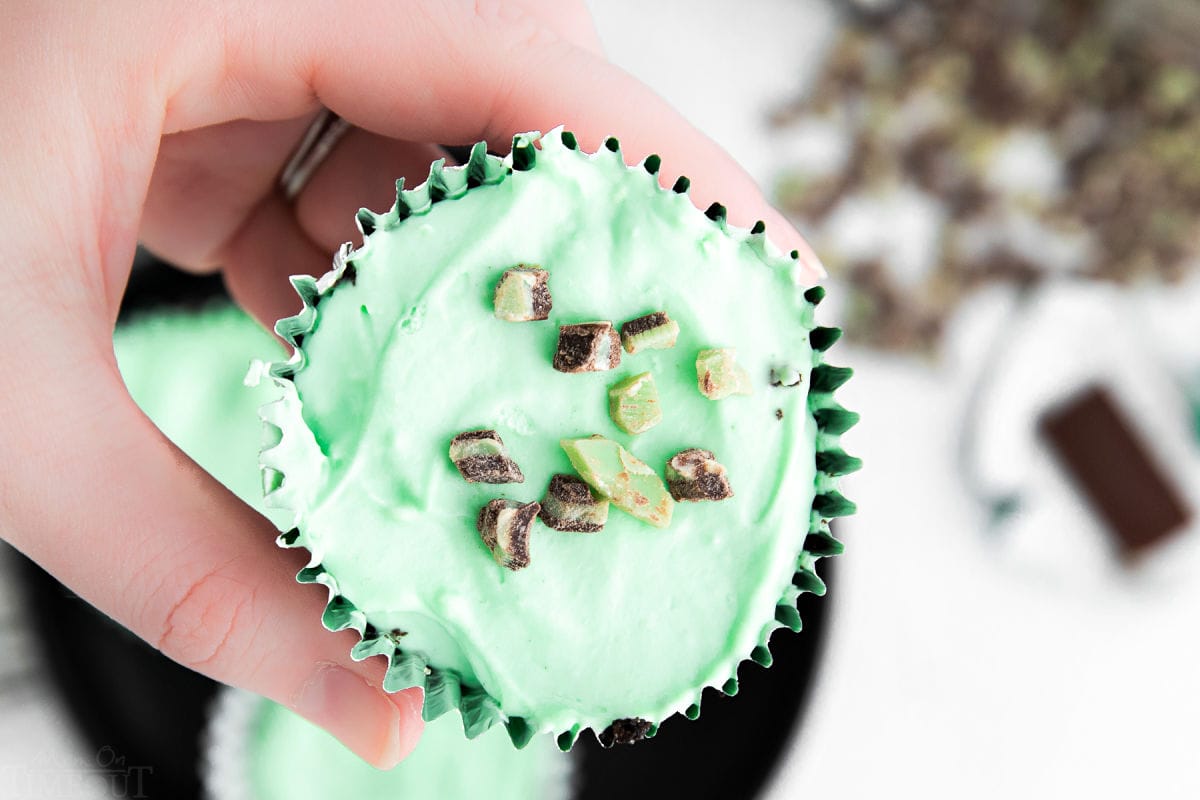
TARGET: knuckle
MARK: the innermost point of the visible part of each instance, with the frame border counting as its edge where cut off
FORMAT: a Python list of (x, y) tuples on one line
[(512, 23), (203, 628)]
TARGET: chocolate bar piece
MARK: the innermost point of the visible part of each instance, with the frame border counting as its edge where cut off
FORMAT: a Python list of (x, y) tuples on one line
[(504, 526), (481, 457), (569, 505), (587, 347), (654, 331), (697, 475), (523, 294), (1111, 466)]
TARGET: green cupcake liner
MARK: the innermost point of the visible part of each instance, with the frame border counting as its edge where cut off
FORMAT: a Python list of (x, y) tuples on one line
[(443, 689)]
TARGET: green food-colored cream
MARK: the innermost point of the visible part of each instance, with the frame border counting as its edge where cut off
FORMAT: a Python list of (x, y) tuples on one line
[(185, 370), (629, 622), (292, 759)]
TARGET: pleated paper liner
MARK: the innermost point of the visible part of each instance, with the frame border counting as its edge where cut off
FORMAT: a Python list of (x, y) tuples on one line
[(293, 451)]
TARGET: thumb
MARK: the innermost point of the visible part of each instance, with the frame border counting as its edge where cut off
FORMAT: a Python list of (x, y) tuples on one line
[(111, 508)]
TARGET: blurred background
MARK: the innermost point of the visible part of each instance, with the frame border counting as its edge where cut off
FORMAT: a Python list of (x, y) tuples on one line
[(1006, 197)]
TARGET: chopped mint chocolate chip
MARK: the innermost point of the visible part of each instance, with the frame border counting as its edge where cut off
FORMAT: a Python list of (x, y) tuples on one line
[(633, 403), (719, 375), (654, 331), (786, 377), (481, 457), (522, 294), (617, 474), (569, 505), (504, 526), (624, 731), (587, 347), (697, 475)]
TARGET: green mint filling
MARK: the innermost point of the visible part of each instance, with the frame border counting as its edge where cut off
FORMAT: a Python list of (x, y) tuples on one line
[(633, 403), (620, 476), (719, 375)]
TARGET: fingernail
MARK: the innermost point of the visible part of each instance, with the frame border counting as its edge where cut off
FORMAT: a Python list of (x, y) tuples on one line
[(358, 714)]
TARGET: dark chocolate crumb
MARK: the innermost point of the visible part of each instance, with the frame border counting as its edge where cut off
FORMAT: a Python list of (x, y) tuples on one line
[(624, 731)]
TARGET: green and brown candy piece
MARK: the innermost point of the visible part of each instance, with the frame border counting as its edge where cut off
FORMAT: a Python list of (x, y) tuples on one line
[(719, 375), (696, 474), (481, 457), (620, 476), (654, 331), (587, 347), (633, 403), (523, 294), (569, 505), (504, 526)]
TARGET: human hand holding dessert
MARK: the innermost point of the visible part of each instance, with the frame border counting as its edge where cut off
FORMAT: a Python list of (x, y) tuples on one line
[(169, 123)]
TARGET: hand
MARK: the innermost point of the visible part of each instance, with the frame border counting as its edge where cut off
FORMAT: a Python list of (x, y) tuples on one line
[(170, 122)]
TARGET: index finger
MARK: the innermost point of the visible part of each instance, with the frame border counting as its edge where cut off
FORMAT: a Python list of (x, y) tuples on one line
[(455, 73)]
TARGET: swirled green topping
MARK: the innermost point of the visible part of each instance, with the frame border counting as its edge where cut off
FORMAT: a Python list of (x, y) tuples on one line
[(395, 363)]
